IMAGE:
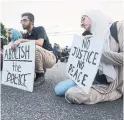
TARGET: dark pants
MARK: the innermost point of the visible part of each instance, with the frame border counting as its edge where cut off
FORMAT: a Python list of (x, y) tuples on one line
[(100, 79)]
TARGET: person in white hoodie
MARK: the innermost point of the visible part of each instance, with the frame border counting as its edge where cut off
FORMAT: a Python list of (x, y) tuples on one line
[(112, 60)]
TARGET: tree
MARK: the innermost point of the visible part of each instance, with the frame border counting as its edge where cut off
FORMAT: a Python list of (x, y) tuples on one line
[(3, 34)]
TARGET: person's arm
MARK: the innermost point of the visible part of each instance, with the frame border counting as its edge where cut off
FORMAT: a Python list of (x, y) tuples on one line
[(38, 42), (41, 36), (115, 58), (112, 58)]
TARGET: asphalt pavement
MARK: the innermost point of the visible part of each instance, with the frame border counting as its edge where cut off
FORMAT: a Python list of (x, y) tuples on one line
[(43, 104)]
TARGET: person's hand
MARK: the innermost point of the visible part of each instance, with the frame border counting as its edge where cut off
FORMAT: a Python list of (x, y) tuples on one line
[(22, 40), (15, 44)]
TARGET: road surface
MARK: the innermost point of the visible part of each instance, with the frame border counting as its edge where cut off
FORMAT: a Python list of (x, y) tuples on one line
[(43, 104)]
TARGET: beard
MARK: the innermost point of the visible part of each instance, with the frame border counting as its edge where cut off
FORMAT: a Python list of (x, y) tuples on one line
[(26, 27)]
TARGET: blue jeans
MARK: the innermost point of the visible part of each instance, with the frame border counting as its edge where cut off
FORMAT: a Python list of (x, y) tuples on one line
[(63, 86)]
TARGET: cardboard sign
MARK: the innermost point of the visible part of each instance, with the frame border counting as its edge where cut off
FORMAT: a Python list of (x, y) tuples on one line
[(19, 66), (84, 60)]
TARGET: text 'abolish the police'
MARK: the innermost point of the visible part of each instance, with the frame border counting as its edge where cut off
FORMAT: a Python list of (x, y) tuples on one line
[(17, 57)]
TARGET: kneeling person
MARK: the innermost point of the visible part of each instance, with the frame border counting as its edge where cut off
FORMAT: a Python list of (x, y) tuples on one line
[(44, 57)]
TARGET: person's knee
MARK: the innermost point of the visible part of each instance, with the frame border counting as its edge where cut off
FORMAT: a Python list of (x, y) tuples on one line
[(69, 96), (72, 96), (38, 47), (38, 52), (76, 95)]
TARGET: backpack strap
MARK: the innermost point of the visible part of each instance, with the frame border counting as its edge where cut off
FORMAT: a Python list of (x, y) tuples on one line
[(113, 30)]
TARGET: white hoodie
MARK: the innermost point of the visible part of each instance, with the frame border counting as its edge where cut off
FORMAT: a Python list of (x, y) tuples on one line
[(101, 27)]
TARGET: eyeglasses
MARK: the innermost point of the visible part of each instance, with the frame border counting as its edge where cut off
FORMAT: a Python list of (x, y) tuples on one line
[(82, 19), (24, 20)]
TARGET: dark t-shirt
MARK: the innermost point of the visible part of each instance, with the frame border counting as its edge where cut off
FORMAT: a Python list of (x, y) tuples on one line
[(37, 33)]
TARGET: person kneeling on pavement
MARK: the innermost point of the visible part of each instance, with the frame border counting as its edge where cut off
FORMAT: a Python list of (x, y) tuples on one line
[(107, 86), (44, 57)]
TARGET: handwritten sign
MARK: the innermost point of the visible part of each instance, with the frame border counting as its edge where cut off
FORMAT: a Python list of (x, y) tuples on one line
[(19, 66), (84, 60)]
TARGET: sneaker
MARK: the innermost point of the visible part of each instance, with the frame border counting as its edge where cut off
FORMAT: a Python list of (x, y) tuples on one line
[(39, 80)]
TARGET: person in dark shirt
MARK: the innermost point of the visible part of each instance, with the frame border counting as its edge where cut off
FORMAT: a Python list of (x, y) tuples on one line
[(55, 49), (45, 57)]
